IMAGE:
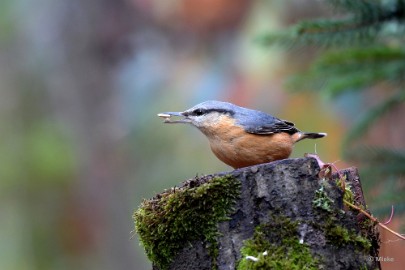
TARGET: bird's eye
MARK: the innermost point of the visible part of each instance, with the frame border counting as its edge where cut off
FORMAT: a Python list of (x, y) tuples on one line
[(199, 112)]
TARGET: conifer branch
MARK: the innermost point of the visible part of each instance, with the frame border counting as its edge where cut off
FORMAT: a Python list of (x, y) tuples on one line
[(363, 22), (364, 124)]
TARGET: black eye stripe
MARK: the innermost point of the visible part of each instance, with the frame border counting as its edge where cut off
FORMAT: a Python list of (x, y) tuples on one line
[(199, 112)]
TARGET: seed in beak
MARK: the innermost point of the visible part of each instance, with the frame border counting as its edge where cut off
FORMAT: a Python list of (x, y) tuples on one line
[(165, 116)]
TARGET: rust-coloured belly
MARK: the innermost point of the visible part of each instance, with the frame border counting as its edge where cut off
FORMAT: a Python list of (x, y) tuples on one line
[(237, 148), (250, 149)]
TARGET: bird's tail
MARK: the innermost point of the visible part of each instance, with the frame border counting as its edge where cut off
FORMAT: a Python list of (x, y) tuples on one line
[(310, 135)]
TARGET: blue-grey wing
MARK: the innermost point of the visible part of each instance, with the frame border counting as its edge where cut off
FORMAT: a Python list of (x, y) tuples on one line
[(265, 124)]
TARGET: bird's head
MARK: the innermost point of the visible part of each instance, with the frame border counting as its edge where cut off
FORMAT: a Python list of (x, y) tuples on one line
[(203, 115)]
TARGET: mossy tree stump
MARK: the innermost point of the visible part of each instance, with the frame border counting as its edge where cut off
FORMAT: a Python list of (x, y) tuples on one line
[(280, 215)]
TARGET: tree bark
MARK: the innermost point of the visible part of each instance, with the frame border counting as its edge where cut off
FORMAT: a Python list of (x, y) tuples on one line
[(283, 204)]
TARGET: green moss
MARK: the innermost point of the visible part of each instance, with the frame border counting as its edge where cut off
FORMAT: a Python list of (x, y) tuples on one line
[(276, 246), (369, 230), (336, 234), (348, 193), (341, 236), (169, 222), (321, 200)]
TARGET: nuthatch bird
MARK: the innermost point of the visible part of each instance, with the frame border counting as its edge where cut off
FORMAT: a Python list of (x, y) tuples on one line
[(242, 137)]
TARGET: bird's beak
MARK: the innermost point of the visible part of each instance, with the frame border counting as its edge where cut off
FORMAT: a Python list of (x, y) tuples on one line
[(167, 116)]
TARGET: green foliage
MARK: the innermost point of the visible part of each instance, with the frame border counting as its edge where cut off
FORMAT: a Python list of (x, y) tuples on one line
[(385, 168), (49, 155), (276, 246), (321, 32), (339, 71), (371, 11), (363, 22), (7, 28), (371, 116), (363, 47), (393, 159), (175, 218)]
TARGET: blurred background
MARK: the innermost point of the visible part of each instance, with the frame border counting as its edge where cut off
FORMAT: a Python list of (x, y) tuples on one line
[(81, 83)]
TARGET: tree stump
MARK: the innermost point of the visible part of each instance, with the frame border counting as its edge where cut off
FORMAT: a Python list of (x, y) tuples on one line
[(279, 215)]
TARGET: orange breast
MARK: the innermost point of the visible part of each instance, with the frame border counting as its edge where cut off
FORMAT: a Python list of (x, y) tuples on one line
[(237, 148)]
